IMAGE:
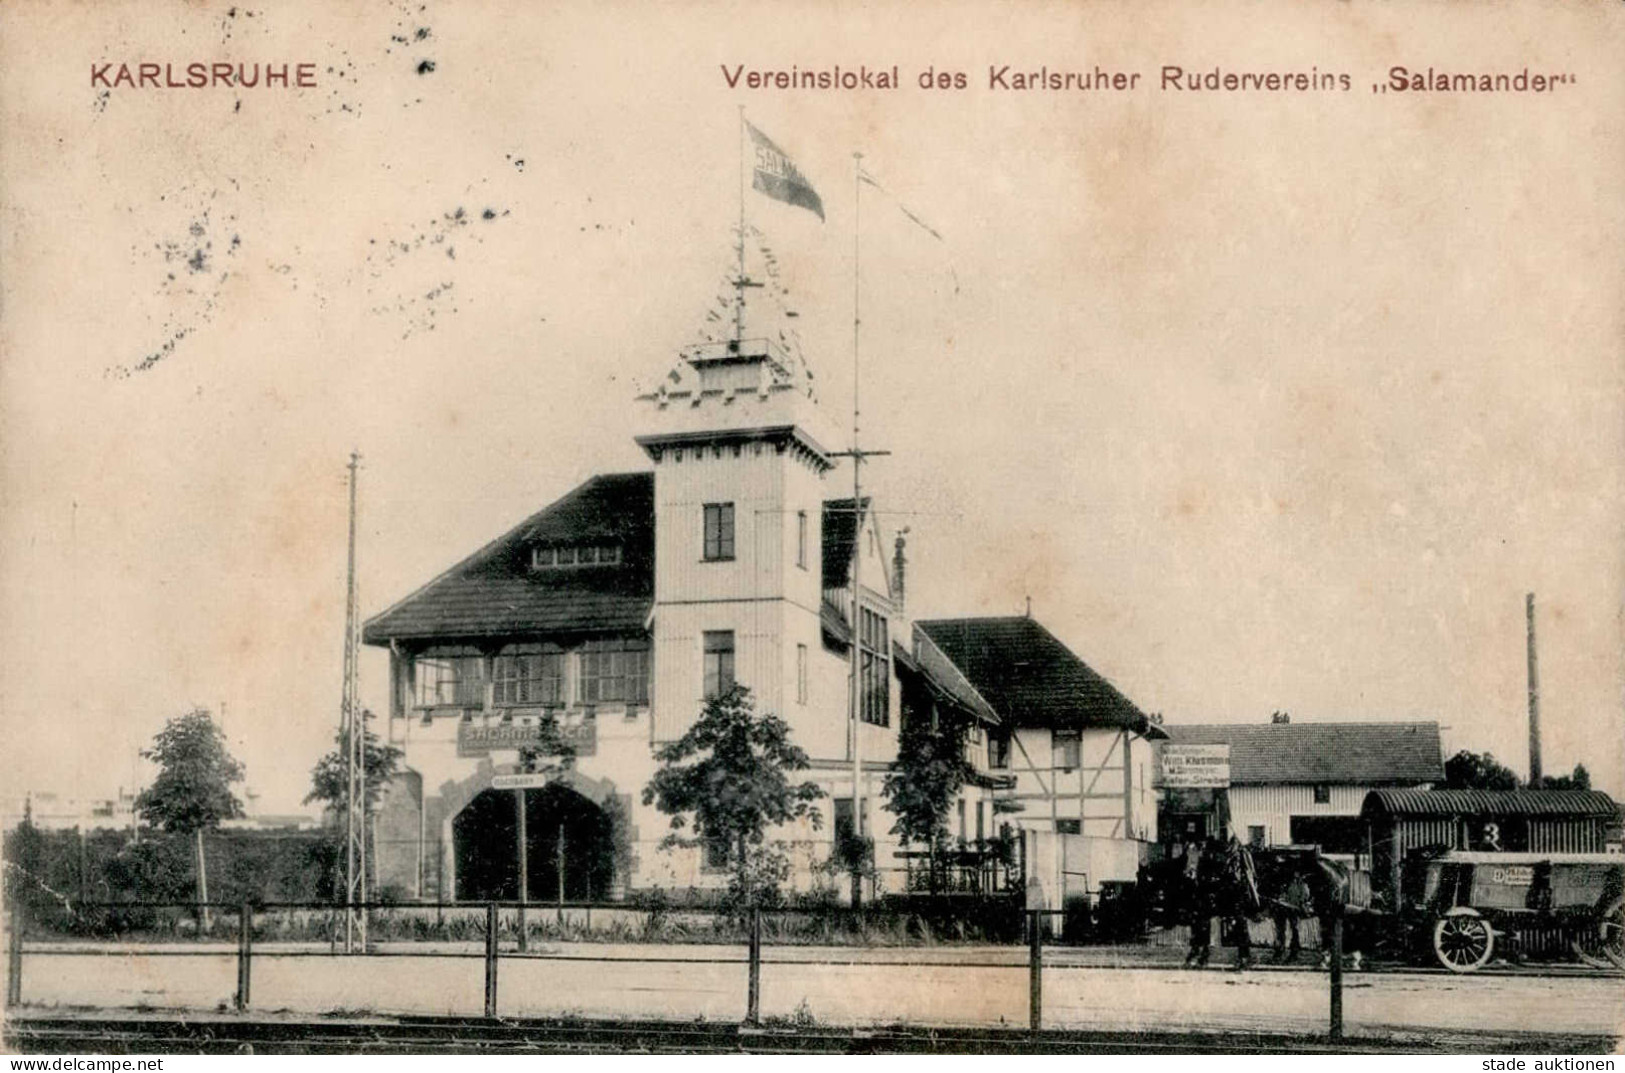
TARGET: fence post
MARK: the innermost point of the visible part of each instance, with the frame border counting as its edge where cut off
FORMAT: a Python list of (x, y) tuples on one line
[(1035, 969), (14, 956), (491, 959), (753, 1000), (245, 952), (1337, 972)]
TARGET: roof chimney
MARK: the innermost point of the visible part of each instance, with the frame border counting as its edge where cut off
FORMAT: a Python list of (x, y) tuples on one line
[(899, 564)]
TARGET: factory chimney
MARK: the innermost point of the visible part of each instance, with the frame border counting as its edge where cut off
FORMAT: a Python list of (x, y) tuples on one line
[(1534, 697)]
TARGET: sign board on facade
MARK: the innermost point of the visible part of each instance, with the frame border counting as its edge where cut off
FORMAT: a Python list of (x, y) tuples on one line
[(481, 739), (534, 781), (1187, 766)]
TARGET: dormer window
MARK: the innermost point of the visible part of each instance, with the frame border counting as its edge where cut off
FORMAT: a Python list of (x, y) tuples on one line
[(556, 558)]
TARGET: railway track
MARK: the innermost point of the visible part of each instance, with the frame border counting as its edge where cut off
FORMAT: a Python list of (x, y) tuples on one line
[(176, 1034)]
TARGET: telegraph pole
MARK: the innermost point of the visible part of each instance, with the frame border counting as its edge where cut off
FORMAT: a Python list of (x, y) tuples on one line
[(353, 733)]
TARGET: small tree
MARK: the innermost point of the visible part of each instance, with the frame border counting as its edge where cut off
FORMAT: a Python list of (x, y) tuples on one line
[(924, 781), (192, 792), (552, 753), (1477, 771), (330, 778), (729, 772), (330, 784)]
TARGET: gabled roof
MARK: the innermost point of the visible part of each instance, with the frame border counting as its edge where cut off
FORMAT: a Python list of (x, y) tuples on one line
[(1568, 804), (494, 592), (1372, 754), (1030, 678)]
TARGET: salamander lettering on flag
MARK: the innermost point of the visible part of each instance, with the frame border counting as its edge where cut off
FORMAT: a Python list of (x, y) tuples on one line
[(775, 176)]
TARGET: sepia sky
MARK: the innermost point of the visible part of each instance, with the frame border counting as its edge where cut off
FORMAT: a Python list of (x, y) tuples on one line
[(1268, 400)]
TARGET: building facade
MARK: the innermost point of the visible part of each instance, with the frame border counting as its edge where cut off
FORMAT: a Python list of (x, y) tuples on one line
[(1074, 752), (599, 626), (606, 620), (1301, 783)]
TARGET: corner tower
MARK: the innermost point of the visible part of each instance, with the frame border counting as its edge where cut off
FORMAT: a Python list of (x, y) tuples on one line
[(741, 453)]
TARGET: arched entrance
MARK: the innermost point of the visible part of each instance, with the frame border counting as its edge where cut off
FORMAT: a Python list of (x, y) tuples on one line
[(569, 846)]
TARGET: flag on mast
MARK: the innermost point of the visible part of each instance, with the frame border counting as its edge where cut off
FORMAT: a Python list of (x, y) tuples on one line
[(775, 176)]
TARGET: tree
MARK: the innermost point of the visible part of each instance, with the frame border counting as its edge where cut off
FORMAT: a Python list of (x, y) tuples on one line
[(330, 778), (553, 752), (1580, 780), (1280, 718), (192, 792), (330, 784), (1477, 771), (925, 779), (730, 773)]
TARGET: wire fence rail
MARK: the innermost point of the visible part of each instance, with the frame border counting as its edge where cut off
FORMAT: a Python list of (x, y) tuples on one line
[(735, 937)]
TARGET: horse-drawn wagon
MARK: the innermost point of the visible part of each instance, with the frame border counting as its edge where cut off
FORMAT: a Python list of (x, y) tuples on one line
[(1462, 904)]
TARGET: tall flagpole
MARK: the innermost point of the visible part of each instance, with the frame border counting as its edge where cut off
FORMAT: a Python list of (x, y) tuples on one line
[(857, 454), (739, 282), (858, 513)]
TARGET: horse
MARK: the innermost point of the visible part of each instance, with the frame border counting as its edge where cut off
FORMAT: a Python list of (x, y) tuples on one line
[(1297, 884), (1223, 883)]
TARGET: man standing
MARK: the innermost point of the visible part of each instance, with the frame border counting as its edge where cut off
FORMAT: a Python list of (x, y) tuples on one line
[(1197, 899)]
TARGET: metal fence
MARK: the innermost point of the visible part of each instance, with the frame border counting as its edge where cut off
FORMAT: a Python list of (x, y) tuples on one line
[(741, 932)]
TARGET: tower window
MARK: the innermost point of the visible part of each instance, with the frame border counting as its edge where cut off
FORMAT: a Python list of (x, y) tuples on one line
[(719, 662), (719, 531), (801, 539), (801, 674)]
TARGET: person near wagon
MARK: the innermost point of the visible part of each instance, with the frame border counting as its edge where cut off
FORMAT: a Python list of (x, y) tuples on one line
[(1294, 903), (1195, 906)]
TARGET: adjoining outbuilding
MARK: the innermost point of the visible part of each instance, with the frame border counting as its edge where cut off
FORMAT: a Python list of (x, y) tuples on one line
[(1301, 783)]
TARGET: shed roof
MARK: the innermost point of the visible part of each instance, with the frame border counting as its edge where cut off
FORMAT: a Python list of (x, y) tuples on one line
[(1557, 804), (494, 592), (1371, 754), (1030, 678)]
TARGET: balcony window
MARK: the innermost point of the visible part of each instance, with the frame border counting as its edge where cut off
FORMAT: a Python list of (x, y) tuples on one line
[(615, 672), (449, 681), (528, 678)]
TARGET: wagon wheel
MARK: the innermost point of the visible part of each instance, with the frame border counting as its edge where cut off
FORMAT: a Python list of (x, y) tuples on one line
[(1611, 933), (1463, 940)]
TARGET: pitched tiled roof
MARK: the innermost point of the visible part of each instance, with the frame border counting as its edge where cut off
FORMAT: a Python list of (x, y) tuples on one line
[(1029, 677), (1475, 803), (1373, 754), (494, 592)]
